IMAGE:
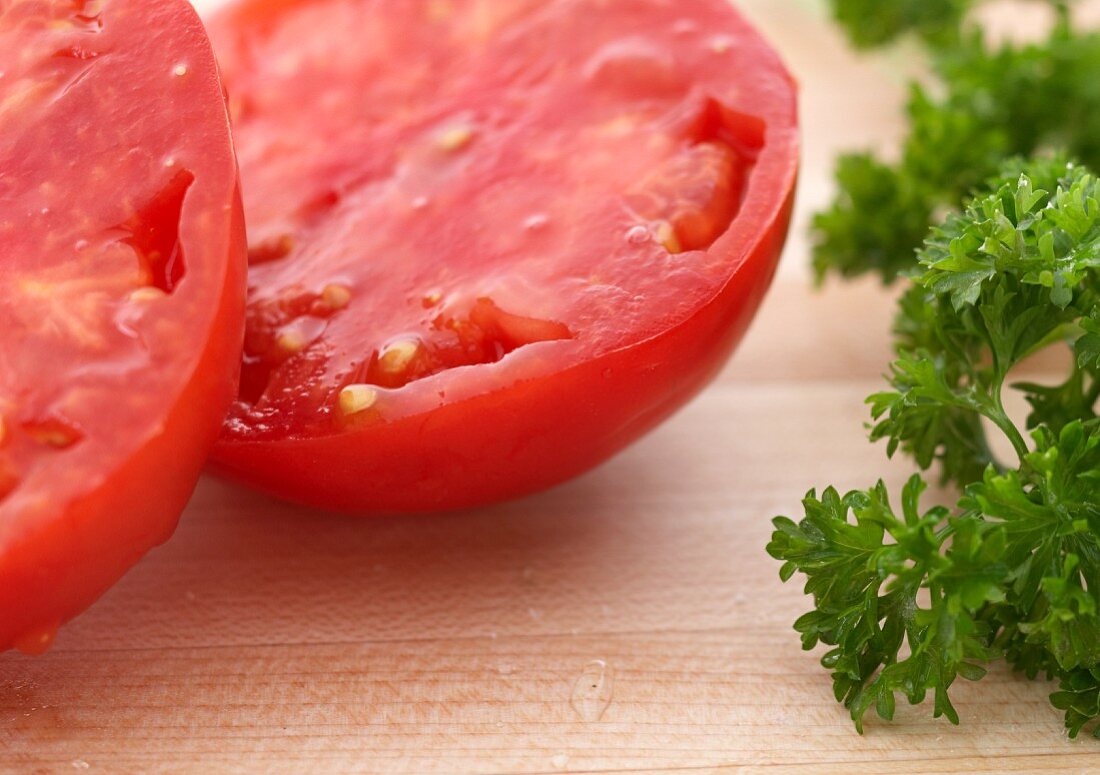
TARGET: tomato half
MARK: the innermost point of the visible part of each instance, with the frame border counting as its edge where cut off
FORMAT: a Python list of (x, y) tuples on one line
[(122, 263), (491, 243)]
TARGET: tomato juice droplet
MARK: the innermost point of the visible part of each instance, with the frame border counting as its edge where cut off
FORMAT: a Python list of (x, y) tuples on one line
[(638, 235), (536, 222)]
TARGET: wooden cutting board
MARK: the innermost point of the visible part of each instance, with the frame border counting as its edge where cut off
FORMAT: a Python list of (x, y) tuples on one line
[(627, 622)]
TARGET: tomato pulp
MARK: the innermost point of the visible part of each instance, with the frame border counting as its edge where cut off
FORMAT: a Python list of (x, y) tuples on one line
[(122, 264), (491, 243)]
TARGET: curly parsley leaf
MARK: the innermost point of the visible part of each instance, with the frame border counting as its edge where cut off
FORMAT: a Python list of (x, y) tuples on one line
[(871, 23), (996, 102), (1000, 281), (866, 595), (1079, 697), (907, 603)]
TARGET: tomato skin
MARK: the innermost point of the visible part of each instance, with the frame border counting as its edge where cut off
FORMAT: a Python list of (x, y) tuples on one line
[(552, 413), (62, 550)]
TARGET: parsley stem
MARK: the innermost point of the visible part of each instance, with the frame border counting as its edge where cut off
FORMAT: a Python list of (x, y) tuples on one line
[(1000, 418)]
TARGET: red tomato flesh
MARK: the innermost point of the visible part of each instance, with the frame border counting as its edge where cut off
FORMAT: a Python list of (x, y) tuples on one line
[(491, 243), (122, 262)]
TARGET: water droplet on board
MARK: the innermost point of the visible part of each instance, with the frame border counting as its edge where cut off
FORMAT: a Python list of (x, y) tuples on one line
[(561, 761), (592, 691)]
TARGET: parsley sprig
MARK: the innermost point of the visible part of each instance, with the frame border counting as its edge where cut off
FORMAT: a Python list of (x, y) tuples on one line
[(990, 102), (871, 23), (909, 599)]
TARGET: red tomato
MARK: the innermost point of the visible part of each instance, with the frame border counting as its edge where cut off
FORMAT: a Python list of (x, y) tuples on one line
[(122, 262), (492, 243)]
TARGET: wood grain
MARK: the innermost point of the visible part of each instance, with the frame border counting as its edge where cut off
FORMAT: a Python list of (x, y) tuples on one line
[(627, 622)]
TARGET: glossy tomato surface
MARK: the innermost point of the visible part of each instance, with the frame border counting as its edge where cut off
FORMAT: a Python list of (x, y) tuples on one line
[(122, 262), (491, 243)]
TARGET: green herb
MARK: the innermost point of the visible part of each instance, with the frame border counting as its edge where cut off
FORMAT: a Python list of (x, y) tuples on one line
[(994, 103), (909, 601), (872, 23)]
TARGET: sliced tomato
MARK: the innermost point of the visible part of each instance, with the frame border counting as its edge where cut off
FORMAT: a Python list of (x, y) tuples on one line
[(122, 263), (492, 242)]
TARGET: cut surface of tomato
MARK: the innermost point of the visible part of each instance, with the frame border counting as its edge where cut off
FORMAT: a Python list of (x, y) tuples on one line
[(122, 263), (491, 243)]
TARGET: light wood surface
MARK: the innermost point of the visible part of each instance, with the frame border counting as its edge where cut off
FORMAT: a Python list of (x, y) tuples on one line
[(268, 638), (627, 622)]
